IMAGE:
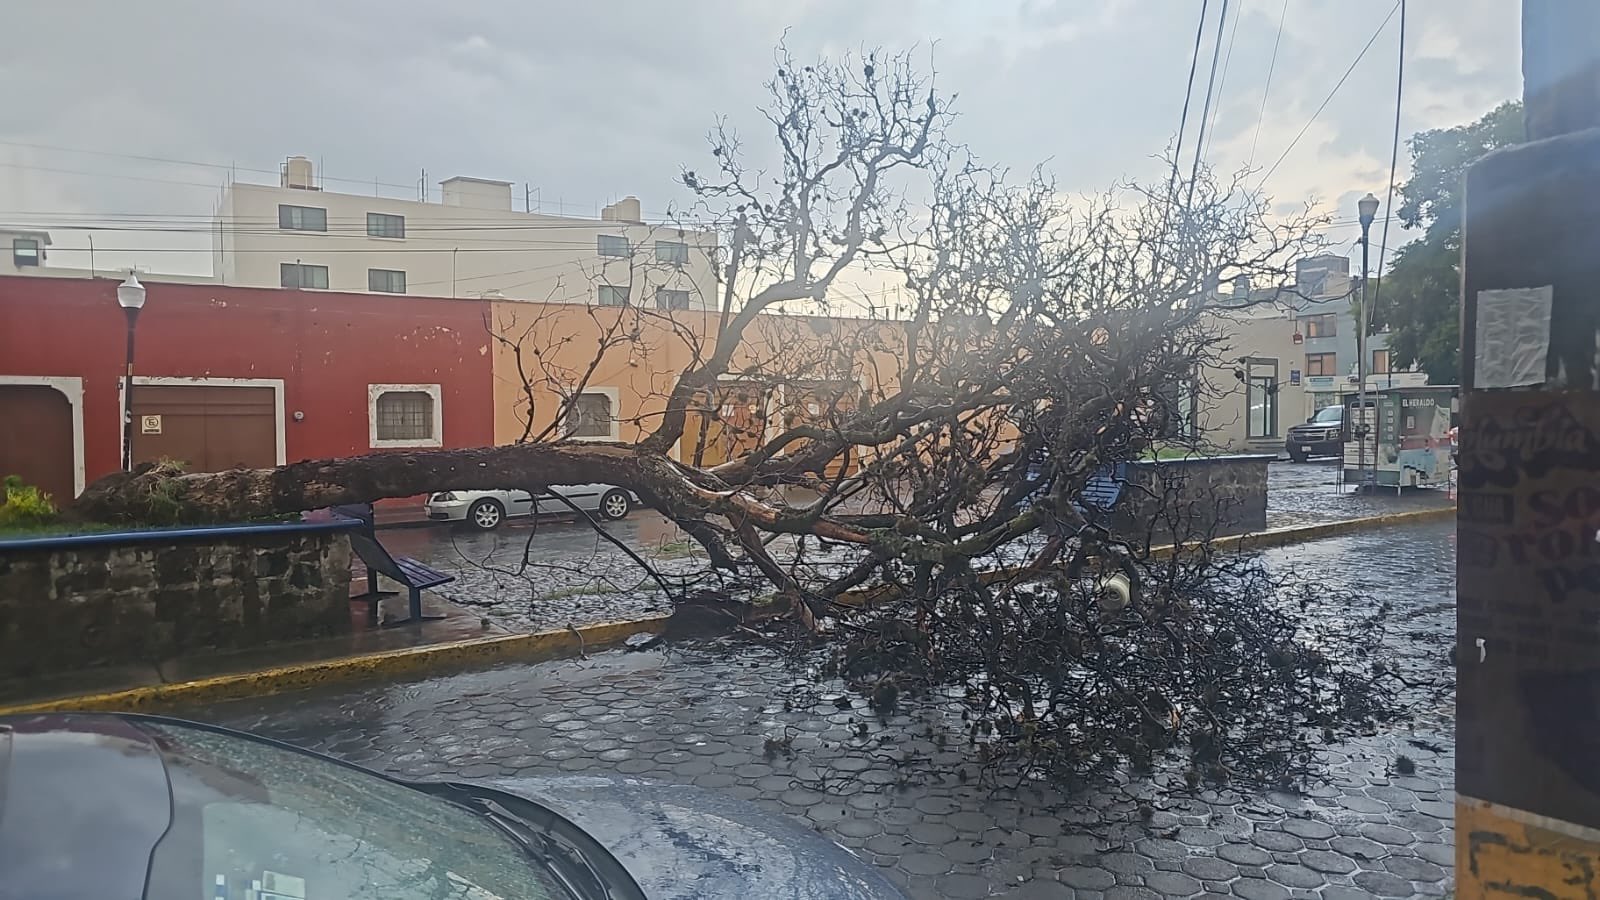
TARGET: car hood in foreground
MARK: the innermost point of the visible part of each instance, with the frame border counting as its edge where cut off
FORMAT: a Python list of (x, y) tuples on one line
[(688, 843)]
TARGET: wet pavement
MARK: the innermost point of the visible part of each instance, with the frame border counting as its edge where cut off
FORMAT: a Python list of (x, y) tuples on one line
[(575, 577), (1310, 493), (714, 715)]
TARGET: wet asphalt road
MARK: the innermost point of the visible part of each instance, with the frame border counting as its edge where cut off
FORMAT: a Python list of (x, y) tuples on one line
[(573, 576), (702, 715)]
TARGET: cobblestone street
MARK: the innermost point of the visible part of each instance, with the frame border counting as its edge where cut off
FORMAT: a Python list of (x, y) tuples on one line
[(1378, 824), (576, 577)]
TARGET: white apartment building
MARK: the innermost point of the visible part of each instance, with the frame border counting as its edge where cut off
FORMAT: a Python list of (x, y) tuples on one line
[(471, 243)]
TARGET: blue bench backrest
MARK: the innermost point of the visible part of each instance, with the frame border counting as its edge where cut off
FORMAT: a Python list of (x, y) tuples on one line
[(372, 553), (1104, 487)]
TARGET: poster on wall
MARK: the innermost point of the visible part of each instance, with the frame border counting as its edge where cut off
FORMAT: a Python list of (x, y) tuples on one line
[(1528, 603)]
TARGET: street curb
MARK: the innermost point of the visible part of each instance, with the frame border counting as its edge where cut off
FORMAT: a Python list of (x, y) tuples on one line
[(474, 653), (1296, 534), (553, 644)]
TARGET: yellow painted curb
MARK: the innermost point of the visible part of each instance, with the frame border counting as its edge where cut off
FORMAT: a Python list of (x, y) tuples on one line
[(389, 663), (556, 643)]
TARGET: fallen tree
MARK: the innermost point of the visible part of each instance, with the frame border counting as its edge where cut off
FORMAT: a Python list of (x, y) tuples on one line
[(1031, 345)]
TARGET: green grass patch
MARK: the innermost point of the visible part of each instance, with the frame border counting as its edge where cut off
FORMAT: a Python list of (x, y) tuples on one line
[(675, 550), (1159, 453)]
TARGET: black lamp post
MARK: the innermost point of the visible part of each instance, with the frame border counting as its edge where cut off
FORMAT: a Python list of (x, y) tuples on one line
[(130, 296), (1368, 208)]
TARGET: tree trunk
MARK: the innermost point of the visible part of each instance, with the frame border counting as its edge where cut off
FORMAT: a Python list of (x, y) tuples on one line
[(158, 494)]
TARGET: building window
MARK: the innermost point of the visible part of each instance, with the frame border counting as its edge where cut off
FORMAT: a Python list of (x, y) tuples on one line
[(386, 281), (611, 245), (1380, 362), (1261, 398), (612, 296), (302, 218), (1322, 364), (675, 252), (1325, 325), (24, 252), (404, 415), (385, 226), (671, 299), (592, 416), (296, 275)]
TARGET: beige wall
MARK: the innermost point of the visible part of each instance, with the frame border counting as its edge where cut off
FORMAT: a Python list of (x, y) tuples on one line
[(1223, 414), (451, 250)]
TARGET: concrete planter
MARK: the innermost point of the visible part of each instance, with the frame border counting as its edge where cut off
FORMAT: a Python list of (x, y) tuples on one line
[(1174, 500), (76, 601)]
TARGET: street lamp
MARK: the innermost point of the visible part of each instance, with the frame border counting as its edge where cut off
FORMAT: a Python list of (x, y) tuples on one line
[(1367, 207), (130, 296)]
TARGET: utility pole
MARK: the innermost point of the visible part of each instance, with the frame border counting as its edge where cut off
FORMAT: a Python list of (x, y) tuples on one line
[(1528, 561)]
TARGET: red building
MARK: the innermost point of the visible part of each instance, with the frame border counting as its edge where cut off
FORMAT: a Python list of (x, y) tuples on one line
[(231, 376)]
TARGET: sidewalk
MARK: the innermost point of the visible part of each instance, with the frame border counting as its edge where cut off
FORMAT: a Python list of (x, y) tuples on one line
[(466, 638), (364, 640)]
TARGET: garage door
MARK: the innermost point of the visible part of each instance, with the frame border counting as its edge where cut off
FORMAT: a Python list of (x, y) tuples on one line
[(36, 438), (209, 428)]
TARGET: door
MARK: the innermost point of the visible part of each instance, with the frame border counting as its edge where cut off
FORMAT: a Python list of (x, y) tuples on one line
[(36, 439), (209, 428), (518, 503)]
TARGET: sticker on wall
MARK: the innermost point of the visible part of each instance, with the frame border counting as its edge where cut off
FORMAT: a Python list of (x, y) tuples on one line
[(1513, 337), (149, 424)]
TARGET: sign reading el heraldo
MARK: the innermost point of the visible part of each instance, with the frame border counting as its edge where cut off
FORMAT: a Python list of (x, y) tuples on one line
[(1528, 613)]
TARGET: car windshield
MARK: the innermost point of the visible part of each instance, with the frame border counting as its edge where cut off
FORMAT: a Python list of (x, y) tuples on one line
[(1330, 415), (250, 816)]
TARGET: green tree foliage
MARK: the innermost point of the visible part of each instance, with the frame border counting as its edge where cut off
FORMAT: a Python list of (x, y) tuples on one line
[(1419, 300)]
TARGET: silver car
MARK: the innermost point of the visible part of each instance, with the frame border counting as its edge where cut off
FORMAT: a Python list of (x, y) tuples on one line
[(486, 510)]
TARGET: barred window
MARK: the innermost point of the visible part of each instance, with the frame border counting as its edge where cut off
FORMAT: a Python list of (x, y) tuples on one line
[(590, 416), (405, 416)]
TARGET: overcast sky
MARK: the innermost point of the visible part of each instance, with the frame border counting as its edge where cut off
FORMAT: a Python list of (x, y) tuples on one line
[(588, 102)]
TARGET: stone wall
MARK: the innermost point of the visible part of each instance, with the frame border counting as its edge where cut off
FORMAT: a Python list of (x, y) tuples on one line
[(1185, 499), (142, 597)]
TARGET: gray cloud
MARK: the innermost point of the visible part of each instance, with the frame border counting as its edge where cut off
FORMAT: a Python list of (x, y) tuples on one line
[(589, 102)]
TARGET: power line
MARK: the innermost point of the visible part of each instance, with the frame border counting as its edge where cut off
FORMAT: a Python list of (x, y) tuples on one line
[(446, 235), (1205, 111), (1394, 152), (208, 185), (1227, 61), (1368, 46), (1267, 91), (1188, 92)]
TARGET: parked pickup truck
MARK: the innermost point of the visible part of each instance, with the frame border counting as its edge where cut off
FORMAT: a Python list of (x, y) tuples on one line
[(1323, 435)]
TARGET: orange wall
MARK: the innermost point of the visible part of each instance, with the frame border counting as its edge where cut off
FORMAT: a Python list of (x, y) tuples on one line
[(642, 369)]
